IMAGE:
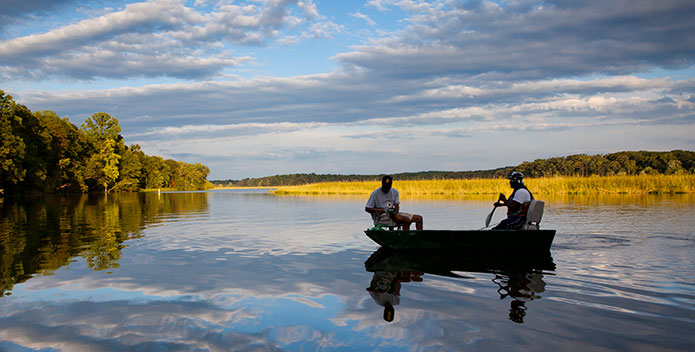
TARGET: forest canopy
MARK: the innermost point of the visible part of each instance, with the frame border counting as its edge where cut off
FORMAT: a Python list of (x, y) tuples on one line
[(42, 152)]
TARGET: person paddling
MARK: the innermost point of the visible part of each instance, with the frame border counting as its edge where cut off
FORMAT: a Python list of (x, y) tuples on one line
[(517, 204), (384, 203)]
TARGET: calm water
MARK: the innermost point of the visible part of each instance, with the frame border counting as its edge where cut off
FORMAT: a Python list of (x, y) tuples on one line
[(230, 270)]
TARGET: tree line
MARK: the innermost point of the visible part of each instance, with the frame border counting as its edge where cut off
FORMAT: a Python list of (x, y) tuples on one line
[(42, 152), (620, 163)]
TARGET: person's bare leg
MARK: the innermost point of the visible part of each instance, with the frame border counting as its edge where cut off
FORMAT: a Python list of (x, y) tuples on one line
[(417, 219), (404, 221)]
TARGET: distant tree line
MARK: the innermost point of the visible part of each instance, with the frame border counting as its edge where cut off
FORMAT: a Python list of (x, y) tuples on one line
[(42, 152), (621, 163)]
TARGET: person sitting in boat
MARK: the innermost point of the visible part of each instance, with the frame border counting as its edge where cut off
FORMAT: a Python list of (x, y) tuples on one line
[(517, 204), (384, 203)]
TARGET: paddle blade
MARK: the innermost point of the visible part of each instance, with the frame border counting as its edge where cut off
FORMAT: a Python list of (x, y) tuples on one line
[(489, 217)]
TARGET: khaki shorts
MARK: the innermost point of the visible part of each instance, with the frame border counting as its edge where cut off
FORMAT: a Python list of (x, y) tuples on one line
[(384, 217)]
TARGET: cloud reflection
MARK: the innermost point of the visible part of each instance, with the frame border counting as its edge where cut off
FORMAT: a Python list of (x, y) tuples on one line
[(126, 325)]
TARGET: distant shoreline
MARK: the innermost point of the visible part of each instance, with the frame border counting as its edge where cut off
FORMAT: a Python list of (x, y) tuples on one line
[(207, 189), (240, 187)]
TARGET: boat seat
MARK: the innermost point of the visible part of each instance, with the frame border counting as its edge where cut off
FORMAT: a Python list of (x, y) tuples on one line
[(390, 224), (534, 215)]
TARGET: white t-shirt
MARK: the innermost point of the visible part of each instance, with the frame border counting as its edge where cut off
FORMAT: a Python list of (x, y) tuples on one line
[(379, 199), (522, 196)]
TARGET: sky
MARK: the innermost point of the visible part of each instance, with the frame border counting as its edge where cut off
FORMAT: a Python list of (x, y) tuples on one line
[(268, 87)]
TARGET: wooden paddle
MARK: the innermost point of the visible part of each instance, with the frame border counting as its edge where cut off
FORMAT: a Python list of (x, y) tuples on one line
[(489, 217)]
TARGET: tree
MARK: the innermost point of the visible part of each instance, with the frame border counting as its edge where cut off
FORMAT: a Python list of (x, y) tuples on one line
[(675, 167), (156, 172), (66, 155), (102, 167), (103, 132), (110, 163), (12, 147), (101, 126), (22, 147), (131, 168), (190, 176)]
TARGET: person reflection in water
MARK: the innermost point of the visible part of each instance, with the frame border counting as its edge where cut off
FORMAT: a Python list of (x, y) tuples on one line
[(521, 287), (385, 289)]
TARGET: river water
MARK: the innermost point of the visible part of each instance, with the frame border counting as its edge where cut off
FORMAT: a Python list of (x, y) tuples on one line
[(246, 270)]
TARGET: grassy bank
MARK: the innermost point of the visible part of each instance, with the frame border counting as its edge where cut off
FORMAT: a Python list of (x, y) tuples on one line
[(642, 184)]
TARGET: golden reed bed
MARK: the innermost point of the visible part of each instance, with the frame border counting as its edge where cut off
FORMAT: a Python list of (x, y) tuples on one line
[(640, 184)]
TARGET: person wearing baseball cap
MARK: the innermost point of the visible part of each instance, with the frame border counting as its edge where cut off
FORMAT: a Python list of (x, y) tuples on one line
[(384, 205)]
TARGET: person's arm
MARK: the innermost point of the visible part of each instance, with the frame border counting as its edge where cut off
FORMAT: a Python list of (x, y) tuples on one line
[(501, 201), (381, 211), (513, 206), (370, 207), (374, 210)]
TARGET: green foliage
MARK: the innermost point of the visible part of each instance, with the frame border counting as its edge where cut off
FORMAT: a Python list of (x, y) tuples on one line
[(12, 147), (110, 163), (42, 152), (186, 177), (155, 173), (68, 150), (101, 126), (621, 163), (131, 163)]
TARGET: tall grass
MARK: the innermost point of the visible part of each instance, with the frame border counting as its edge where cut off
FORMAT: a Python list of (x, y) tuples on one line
[(642, 184)]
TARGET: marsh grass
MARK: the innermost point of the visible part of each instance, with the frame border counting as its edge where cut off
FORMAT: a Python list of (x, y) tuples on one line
[(639, 184)]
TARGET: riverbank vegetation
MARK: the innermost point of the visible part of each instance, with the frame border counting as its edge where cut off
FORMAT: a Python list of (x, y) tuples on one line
[(42, 152), (615, 164), (560, 185)]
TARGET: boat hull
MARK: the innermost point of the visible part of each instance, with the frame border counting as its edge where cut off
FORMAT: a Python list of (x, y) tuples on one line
[(463, 240), (449, 264)]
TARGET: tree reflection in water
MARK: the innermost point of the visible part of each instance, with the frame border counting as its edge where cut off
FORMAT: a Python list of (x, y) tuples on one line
[(39, 236), (517, 277)]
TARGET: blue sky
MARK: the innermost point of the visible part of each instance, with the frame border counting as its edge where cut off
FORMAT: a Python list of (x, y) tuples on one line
[(258, 88)]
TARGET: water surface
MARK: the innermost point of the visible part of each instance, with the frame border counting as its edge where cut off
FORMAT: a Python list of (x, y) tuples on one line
[(246, 270)]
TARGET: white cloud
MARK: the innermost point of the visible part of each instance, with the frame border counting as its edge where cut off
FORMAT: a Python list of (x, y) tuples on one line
[(364, 17), (156, 38), (136, 17), (527, 42), (323, 30)]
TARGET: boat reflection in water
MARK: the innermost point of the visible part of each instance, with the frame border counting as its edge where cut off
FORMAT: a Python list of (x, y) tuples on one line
[(517, 277)]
